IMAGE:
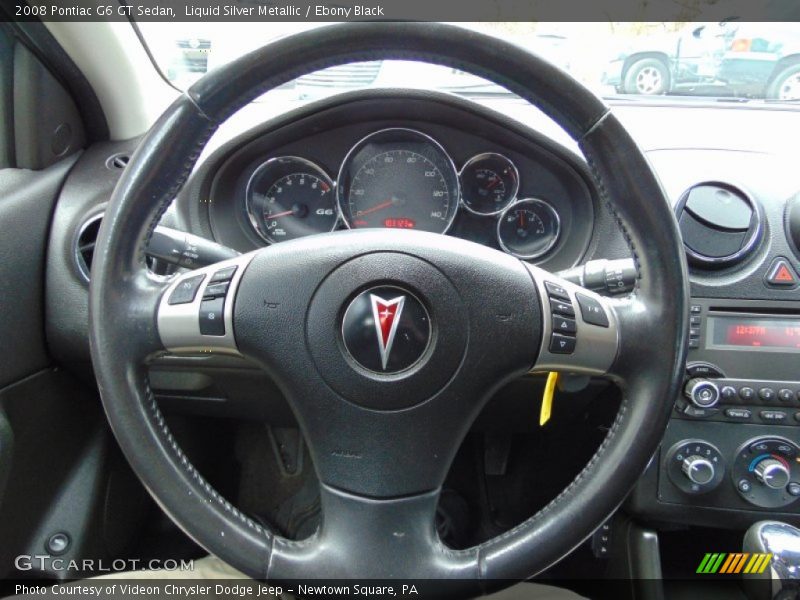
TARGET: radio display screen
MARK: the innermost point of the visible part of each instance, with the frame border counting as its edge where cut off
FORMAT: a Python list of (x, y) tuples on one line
[(740, 331)]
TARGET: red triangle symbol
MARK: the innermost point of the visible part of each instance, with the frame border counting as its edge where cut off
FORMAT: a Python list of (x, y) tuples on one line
[(783, 274)]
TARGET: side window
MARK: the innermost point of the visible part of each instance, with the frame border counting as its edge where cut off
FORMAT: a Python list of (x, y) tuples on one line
[(39, 122)]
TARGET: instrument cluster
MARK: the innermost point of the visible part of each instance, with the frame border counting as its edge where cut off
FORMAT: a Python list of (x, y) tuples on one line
[(399, 178)]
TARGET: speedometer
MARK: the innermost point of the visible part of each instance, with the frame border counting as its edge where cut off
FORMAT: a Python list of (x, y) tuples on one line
[(398, 179)]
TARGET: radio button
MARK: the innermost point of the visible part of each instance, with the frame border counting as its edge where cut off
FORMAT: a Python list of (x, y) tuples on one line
[(773, 415), (699, 413), (701, 369), (785, 395), (747, 393), (766, 394), (741, 414), (728, 392)]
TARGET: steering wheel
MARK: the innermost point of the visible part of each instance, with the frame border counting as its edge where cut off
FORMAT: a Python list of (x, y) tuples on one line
[(387, 346)]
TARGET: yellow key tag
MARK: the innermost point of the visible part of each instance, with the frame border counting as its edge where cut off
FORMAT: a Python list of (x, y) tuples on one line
[(547, 398)]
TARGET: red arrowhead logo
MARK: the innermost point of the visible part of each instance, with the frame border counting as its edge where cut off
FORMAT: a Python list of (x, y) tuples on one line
[(386, 314)]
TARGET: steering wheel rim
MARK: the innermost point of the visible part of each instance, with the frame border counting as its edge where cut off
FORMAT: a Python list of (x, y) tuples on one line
[(398, 534)]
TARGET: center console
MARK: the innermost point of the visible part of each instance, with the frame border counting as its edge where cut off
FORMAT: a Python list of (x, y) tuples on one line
[(731, 452)]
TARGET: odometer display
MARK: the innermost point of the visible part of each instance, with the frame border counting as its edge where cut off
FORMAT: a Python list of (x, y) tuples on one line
[(398, 179)]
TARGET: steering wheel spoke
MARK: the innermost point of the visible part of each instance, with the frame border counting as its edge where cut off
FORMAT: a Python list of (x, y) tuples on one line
[(195, 312), (377, 539)]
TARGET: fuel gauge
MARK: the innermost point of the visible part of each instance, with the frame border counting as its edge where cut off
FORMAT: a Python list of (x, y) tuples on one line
[(489, 183), (528, 228)]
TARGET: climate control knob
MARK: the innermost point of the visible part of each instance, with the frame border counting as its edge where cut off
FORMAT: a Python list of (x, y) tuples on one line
[(772, 473), (699, 470), (703, 393)]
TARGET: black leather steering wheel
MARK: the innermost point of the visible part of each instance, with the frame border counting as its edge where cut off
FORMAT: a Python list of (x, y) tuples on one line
[(382, 440)]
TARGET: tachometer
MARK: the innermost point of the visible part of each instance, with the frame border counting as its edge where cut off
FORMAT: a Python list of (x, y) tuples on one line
[(398, 179), (290, 197)]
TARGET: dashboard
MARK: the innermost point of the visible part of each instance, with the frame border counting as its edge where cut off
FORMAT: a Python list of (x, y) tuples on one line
[(401, 162), (417, 160)]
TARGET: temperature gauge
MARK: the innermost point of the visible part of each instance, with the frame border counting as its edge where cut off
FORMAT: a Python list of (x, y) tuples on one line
[(528, 228), (489, 183)]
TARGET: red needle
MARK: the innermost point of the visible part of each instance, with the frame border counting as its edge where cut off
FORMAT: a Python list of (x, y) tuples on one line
[(280, 214), (380, 206), (521, 219), (493, 183)]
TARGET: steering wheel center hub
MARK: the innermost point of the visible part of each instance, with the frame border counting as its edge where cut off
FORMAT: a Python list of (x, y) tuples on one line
[(386, 329), (397, 340)]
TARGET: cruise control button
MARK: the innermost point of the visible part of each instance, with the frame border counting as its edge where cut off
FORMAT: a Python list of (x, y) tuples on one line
[(747, 393), (738, 413), (785, 395), (556, 291), (773, 415), (591, 310), (565, 308), (563, 325), (562, 344), (216, 290), (766, 394), (223, 274), (186, 290), (212, 318)]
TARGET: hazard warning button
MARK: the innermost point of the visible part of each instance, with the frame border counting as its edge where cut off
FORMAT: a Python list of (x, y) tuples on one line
[(781, 274)]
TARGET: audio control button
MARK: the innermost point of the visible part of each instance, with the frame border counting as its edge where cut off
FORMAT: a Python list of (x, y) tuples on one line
[(793, 488), (740, 414), (701, 369), (766, 394), (747, 393), (728, 392), (699, 413), (773, 415), (702, 392), (785, 395)]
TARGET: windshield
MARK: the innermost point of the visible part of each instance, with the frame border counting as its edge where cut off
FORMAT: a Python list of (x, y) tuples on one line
[(731, 61)]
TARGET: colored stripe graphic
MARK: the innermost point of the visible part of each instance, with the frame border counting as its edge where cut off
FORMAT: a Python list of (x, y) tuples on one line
[(735, 562), (738, 567), (731, 560)]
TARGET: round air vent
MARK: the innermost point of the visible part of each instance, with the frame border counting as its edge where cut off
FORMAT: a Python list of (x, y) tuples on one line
[(720, 224), (85, 242)]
